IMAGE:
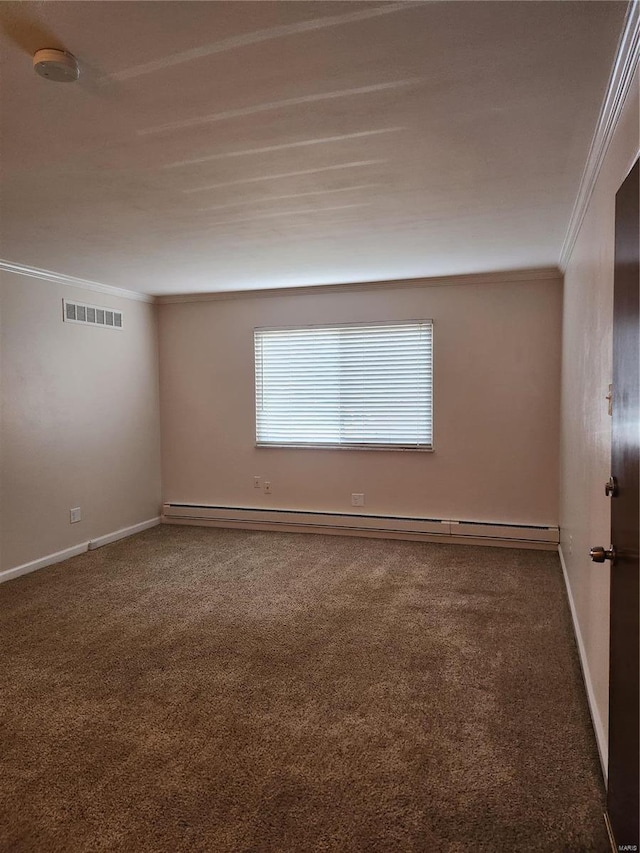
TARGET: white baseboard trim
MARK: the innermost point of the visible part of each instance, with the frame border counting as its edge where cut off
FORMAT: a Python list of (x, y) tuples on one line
[(123, 533), (49, 560), (60, 556), (601, 734)]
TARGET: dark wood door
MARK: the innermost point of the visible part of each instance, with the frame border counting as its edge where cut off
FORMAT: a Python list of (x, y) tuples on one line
[(623, 804)]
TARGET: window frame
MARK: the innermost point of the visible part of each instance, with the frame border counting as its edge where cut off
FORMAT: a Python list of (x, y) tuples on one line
[(395, 448)]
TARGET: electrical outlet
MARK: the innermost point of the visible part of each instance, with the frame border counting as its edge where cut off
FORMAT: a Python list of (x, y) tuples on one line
[(267, 487), (75, 514), (256, 482), (357, 500)]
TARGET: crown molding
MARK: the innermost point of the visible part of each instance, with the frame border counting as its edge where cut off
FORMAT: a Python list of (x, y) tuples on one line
[(72, 281), (624, 68), (503, 277)]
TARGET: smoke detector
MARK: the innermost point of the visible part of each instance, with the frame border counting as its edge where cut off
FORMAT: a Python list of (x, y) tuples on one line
[(56, 65)]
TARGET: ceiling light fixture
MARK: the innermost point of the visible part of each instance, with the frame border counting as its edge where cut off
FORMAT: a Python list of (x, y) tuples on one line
[(56, 65)]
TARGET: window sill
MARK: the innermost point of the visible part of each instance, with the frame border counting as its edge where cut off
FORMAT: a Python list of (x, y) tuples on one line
[(377, 447)]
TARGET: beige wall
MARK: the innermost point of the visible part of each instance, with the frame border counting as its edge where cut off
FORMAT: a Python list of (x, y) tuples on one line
[(80, 422), (586, 426), (497, 371)]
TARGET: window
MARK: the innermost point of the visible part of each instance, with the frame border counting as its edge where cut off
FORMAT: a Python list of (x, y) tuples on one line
[(356, 385)]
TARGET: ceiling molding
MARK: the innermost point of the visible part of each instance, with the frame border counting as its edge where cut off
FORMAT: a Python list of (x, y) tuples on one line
[(503, 277), (624, 68), (72, 281)]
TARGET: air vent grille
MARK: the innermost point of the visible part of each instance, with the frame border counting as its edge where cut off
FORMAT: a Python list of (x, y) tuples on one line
[(91, 315)]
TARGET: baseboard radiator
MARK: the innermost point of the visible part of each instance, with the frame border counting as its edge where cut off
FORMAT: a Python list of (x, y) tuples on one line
[(430, 529)]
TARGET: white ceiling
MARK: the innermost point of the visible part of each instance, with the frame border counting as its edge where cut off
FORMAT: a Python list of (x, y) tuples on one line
[(225, 145)]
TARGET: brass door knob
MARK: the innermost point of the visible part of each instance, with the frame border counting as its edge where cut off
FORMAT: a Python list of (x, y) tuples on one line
[(599, 554)]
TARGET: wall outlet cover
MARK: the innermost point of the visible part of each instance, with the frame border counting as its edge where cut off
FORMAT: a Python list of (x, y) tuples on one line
[(357, 499), (75, 514)]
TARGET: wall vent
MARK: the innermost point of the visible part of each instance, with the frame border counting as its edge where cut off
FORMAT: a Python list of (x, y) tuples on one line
[(91, 315)]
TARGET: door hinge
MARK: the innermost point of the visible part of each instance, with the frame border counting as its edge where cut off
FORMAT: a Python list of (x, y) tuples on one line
[(609, 399)]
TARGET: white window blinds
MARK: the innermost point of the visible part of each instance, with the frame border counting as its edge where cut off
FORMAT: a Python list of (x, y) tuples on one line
[(351, 385)]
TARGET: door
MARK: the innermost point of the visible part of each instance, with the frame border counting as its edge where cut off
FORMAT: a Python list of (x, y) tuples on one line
[(623, 804)]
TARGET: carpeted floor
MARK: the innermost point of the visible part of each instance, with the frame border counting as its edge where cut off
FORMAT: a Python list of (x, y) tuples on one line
[(194, 689)]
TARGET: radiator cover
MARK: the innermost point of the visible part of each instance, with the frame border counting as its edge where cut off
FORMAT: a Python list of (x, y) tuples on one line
[(357, 522)]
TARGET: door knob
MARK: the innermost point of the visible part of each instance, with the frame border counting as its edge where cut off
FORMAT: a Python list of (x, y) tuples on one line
[(599, 554), (611, 488)]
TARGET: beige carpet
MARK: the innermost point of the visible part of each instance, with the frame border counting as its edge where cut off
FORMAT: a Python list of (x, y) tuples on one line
[(194, 689)]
